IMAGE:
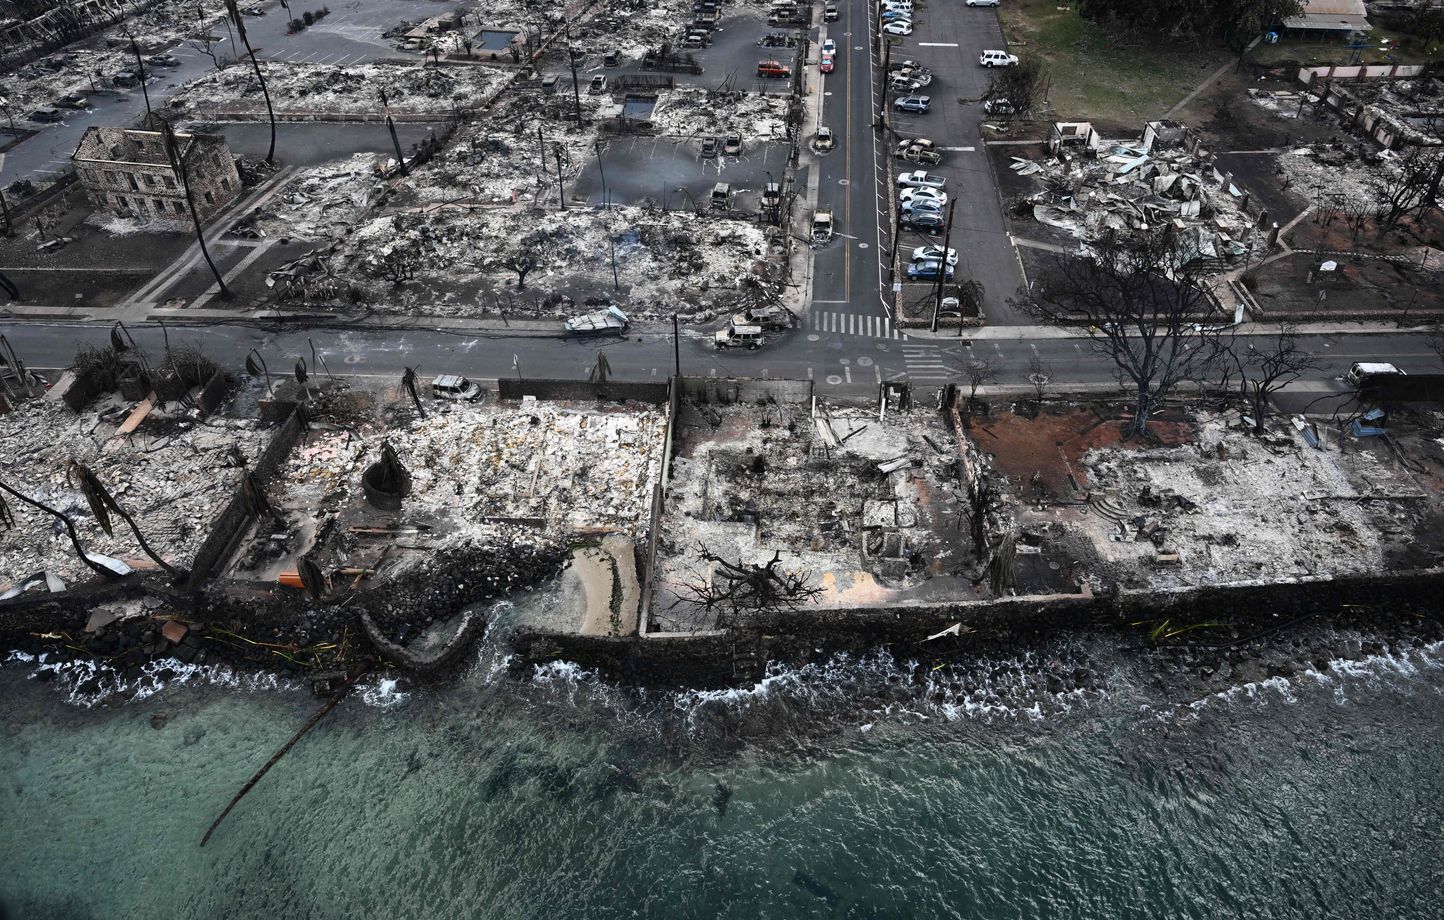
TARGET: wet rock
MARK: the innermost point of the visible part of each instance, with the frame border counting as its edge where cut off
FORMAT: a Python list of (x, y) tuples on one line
[(158, 720)]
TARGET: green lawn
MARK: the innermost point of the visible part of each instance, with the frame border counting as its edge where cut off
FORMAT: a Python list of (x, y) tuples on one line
[(1384, 47), (1099, 77)]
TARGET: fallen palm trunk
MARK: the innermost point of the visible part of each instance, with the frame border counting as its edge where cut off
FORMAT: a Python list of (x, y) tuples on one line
[(310, 724)]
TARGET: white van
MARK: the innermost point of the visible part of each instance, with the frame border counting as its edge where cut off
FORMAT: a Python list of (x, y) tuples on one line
[(1360, 372)]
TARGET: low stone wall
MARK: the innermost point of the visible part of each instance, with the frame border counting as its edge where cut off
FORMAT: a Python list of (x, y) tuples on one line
[(807, 634), (728, 390), (619, 391)]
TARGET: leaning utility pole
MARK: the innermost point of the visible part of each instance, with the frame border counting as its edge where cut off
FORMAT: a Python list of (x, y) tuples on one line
[(943, 269), (140, 72), (391, 126), (576, 88), (896, 238)]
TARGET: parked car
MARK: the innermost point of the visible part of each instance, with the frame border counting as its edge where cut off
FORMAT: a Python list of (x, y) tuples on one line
[(824, 141), (453, 386), (998, 107), (825, 65), (45, 116), (721, 198), (897, 16), (771, 318), (749, 337), (918, 205), (774, 69), (909, 195), (821, 227), (982, 2), (919, 150), (919, 104), (901, 27), (924, 253), (732, 145), (72, 101), (829, 12), (897, 5), (921, 179), (253, 11), (898, 83), (923, 222), (610, 321), (920, 77), (612, 58), (163, 60), (124, 78), (895, 66), (829, 47), (997, 59), (929, 270), (771, 195), (599, 85), (709, 147), (697, 38)]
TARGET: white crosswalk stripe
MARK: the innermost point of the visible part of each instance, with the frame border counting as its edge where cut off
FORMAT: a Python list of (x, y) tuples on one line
[(924, 364), (873, 327)]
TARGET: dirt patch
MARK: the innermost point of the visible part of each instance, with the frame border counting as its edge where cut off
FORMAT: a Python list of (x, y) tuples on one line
[(1041, 452)]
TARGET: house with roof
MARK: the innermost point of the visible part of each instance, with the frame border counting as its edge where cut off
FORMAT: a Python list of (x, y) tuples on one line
[(1326, 20)]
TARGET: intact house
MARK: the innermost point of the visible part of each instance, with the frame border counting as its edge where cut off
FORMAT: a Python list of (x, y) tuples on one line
[(1327, 20), (126, 172)]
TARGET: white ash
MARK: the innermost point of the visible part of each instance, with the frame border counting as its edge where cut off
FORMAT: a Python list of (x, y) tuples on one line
[(172, 475)]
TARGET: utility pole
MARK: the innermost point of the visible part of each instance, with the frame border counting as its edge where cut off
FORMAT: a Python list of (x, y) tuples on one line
[(576, 89), (391, 126), (561, 190), (943, 269), (541, 146), (606, 198), (140, 67), (5, 213), (676, 348), (612, 242), (896, 238)]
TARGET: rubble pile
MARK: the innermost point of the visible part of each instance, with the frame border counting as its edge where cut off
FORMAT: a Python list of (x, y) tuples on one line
[(321, 202), (1336, 172), (479, 476), (410, 88), (863, 506), (171, 475), (500, 161), (1127, 188), (693, 112), (157, 27), (1234, 508), (664, 259)]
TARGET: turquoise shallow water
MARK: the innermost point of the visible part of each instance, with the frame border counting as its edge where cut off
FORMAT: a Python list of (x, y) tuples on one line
[(849, 790)]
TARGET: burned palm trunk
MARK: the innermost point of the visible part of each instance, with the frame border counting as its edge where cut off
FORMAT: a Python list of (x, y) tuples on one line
[(235, 16), (102, 503), (181, 168), (408, 383), (8, 520)]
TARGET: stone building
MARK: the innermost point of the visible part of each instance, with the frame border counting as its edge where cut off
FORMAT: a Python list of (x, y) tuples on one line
[(126, 171)]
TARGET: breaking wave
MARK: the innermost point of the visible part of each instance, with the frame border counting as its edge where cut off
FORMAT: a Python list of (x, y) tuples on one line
[(93, 683)]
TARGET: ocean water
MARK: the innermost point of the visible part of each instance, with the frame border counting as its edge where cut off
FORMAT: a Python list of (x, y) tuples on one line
[(1073, 780)]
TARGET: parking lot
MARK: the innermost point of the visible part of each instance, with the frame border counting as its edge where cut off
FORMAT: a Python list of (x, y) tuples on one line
[(948, 41), (673, 173)]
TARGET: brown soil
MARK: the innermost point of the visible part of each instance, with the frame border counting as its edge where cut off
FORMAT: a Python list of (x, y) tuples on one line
[(1051, 444)]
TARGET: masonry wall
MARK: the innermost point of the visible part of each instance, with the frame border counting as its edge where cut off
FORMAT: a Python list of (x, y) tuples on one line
[(728, 390), (231, 525), (153, 191)]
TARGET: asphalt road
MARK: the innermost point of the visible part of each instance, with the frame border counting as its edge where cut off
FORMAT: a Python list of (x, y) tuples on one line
[(838, 362), (853, 275)]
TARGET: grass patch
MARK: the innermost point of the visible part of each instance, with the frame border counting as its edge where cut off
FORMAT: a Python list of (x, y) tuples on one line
[(1100, 76), (1385, 46)]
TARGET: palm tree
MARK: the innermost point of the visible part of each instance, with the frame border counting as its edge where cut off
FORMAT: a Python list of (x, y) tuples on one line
[(240, 23), (182, 170), (7, 521), (102, 503)]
